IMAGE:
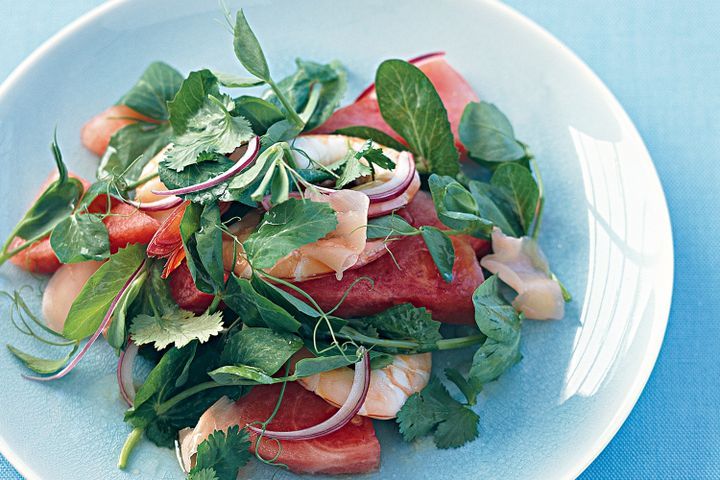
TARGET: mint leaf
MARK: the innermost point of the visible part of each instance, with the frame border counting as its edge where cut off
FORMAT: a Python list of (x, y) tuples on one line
[(377, 136), (179, 328), (210, 129), (90, 306), (224, 452), (412, 107), (441, 250), (157, 85), (488, 135), (520, 189), (286, 227), (80, 237), (40, 365)]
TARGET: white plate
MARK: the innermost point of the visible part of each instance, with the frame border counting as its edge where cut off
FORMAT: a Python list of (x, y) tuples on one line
[(606, 230)]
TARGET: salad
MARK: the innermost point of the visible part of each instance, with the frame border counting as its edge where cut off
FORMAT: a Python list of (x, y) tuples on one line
[(287, 267)]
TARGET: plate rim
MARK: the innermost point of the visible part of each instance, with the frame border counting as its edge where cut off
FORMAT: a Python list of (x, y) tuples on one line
[(660, 323)]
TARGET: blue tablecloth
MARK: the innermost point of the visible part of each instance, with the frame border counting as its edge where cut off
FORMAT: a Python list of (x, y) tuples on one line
[(662, 60)]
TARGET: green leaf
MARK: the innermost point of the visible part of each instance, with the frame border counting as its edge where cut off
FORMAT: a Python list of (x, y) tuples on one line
[(93, 301), (501, 323), (191, 225), (224, 452), (306, 367), (209, 245), (230, 80), (248, 50), (40, 365), (406, 322), (469, 389), (330, 78), (286, 227), (79, 238), (260, 348), (197, 173), (53, 206), (412, 107), (353, 169), (255, 309), (491, 206), (210, 129), (116, 334), (162, 378), (456, 207), (157, 85), (189, 99), (441, 250), (373, 134), (204, 474), (520, 188), (179, 328), (260, 113), (139, 139), (488, 135), (459, 427), (389, 226)]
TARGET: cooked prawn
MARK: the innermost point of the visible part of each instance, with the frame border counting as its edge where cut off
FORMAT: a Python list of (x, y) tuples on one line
[(390, 386)]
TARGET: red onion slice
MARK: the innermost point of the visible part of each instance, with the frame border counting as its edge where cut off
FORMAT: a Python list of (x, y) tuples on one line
[(103, 325), (125, 373), (157, 205), (417, 61), (355, 400), (253, 147), (403, 176)]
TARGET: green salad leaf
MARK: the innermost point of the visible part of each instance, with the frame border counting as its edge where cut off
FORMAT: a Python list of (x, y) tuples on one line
[(488, 135), (221, 454), (255, 309), (412, 107), (406, 322), (93, 301), (288, 226), (80, 237), (201, 234), (389, 226), (260, 113), (260, 348), (178, 328), (117, 332), (230, 80), (520, 189), (41, 365), (441, 250), (131, 148), (493, 205), (156, 86), (248, 50), (457, 208), (190, 98), (373, 134)]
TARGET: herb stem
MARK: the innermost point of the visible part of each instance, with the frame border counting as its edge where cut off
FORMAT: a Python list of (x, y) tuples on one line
[(214, 305), (294, 117), (130, 443), (460, 342), (444, 344), (170, 403), (141, 181), (541, 198)]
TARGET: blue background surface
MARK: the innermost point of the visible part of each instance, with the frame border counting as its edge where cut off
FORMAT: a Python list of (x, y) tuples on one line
[(662, 61)]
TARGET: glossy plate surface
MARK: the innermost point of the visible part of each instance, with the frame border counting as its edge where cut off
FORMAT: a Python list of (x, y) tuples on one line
[(606, 229)]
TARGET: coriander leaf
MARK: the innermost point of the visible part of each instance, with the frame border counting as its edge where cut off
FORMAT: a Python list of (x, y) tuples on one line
[(389, 226), (42, 365), (377, 136), (93, 301), (375, 156), (412, 107), (423, 410), (256, 310), (520, 188), (260, 348), (353, 169), (136, 140), (330, 78), (79, 238), (192, 95), (492, 208), (286, 227), (406, 322), (488, 135), (210, 129), (441, 250), (179, 328), (248, 50), (260, 113), (55, 204), (203, 474), (459, 427), (224, 452), (197, 173), (231, 80), (157, 85)]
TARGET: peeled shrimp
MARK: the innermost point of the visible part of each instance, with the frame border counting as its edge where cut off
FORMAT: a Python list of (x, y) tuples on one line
[(390, 386)]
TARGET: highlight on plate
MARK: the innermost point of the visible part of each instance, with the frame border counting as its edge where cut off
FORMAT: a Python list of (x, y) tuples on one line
[(289, 268)]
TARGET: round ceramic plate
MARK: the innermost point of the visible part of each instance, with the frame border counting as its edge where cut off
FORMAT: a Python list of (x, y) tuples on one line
[(606, 230)]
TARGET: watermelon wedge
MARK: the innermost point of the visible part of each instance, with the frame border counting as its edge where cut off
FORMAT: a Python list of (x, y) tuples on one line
[(185, 293), (453, 89), (352, 449), (126, 224)]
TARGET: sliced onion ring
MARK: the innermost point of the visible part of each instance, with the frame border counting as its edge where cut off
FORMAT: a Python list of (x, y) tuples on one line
[(253, 147), (355, 400), (403, 176), (125, 373), (157, 205), (103, 325), (417, 61)]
